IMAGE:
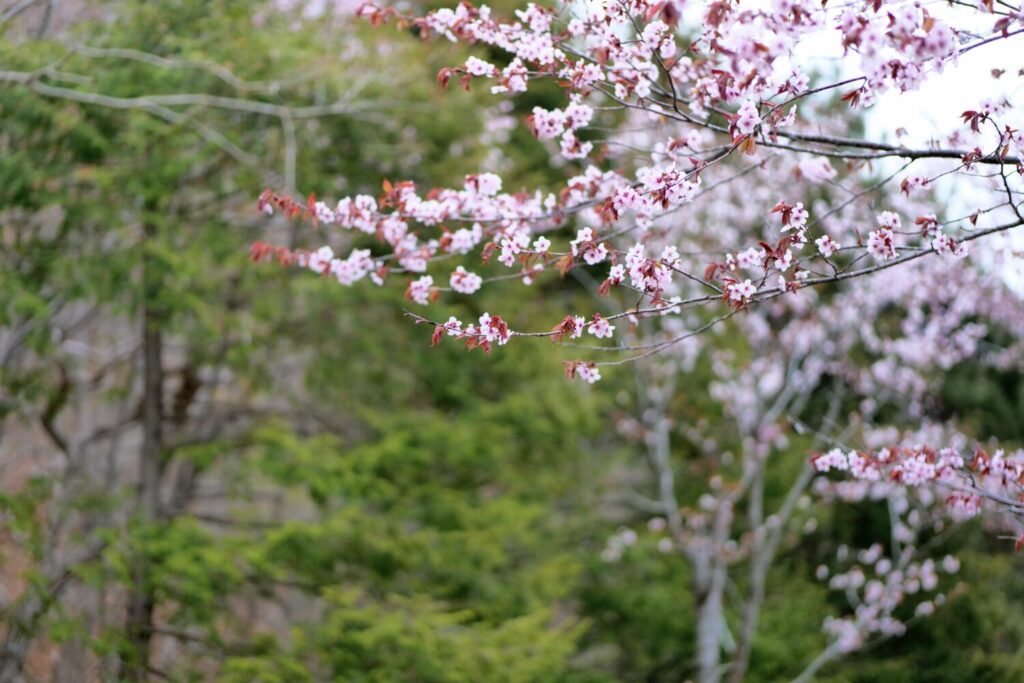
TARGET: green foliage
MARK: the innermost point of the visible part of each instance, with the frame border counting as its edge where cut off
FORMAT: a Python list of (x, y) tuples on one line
[(410, 639), (988, 401)]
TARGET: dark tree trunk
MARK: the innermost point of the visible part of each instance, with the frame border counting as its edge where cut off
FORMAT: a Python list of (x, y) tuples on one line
[(139, 621)]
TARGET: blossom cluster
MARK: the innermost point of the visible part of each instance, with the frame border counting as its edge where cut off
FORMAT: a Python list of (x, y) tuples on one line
[(879, 586), (998, 477)]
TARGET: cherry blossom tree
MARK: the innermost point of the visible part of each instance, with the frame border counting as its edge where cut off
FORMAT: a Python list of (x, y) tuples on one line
[(812, 361), (719, 187), (668, 102)]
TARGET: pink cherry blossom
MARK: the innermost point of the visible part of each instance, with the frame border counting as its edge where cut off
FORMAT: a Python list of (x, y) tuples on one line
[(882, 244), (600, 328), (419, 290)]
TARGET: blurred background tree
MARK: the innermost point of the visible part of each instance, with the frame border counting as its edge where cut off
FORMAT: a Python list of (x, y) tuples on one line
[(217, 472)]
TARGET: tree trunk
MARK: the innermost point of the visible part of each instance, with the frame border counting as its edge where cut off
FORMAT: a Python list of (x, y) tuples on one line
[(709, 582), (710, 572), (760, 559), (139, 621)]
